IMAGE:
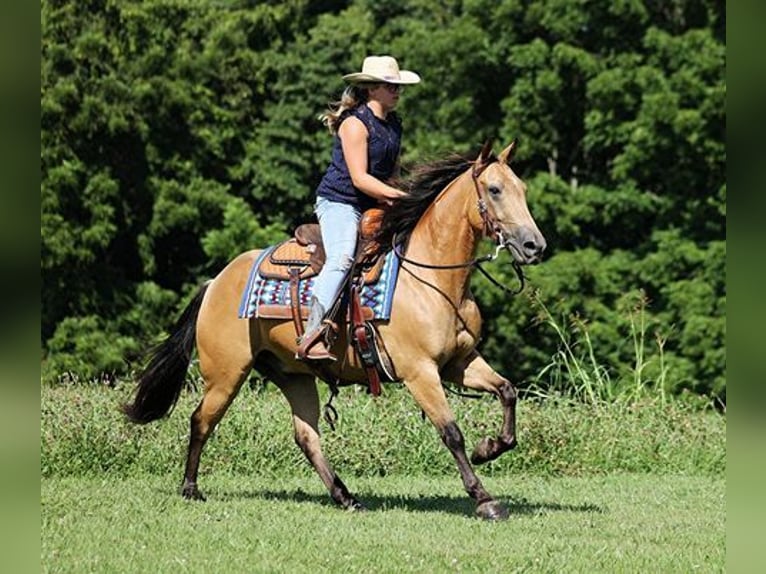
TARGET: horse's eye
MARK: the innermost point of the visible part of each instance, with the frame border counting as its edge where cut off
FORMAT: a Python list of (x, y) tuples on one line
[(494, 190)]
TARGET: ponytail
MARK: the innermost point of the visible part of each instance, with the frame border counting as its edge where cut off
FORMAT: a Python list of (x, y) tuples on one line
[(353, 96)]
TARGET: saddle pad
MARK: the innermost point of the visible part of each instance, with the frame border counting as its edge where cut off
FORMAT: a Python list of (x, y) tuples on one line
[(264, 293)]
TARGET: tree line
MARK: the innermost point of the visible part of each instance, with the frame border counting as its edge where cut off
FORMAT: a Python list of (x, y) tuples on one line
[(176, 134)]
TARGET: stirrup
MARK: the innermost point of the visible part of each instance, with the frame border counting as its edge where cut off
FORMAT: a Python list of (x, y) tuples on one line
[(319, 352)]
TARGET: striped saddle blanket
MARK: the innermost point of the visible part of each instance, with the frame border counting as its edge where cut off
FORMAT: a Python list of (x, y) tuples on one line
[(267, 293)]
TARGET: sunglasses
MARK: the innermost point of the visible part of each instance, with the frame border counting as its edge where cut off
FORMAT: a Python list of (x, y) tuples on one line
[(393, 88)]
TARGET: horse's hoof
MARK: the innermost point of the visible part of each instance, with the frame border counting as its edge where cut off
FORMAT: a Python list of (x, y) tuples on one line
[(356, 506), (492, 510), (489, 449), (191, 492), (481, 453)]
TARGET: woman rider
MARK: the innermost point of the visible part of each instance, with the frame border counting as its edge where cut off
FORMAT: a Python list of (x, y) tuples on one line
[(365, 155)]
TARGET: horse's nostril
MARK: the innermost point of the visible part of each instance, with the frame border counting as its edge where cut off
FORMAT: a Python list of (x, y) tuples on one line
[(531, 247)]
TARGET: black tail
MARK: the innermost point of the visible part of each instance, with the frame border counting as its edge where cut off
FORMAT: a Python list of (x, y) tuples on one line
[(160, 383)]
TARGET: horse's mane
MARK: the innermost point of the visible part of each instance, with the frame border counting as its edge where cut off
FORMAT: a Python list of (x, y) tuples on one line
[(422, 184)]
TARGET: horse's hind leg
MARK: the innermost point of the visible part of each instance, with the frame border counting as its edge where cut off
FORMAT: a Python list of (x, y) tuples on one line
[(301, 393), (225, 346), (480, 376), (221, 388), (225, 360)]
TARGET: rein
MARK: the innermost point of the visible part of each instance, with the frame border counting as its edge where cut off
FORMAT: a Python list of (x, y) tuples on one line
[(490, 225), (476, 262)]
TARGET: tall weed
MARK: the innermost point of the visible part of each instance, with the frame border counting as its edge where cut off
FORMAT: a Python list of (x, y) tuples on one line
[(577, 372), (84, 434)]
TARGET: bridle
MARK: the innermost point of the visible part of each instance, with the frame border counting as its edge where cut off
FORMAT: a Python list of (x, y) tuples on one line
[(491, 227)]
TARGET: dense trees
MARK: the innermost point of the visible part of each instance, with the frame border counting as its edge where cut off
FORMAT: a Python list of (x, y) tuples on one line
[(177, 133)]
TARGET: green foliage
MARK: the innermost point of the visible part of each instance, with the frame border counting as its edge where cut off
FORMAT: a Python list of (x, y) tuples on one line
[(86, 348), (84, 434), (176, 134), (240, 228)]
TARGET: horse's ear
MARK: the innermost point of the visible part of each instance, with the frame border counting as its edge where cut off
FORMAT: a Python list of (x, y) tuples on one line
[(507, 154), (484, 154)]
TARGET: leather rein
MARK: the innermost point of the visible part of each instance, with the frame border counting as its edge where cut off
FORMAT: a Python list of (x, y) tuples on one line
[(490, 226)]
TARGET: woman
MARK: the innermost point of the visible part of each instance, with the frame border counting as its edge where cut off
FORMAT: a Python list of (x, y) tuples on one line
[(365, 155)]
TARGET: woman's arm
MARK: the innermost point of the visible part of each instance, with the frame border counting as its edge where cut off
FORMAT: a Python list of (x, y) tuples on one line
[(353, 136)]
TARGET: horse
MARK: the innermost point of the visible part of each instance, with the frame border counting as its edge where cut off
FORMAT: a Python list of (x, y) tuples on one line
[(431, 335)]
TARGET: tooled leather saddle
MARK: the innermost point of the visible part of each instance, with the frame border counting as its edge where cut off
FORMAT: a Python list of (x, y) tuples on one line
[(302, 257)]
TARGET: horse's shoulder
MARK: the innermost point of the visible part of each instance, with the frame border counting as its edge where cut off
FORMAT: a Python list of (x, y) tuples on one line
[(470, 312), (469, 302)]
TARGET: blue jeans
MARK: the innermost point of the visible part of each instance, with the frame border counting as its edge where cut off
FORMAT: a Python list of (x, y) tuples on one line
[(339, 223)]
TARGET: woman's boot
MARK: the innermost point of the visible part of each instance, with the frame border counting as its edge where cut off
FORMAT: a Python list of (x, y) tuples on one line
[(312, 346)]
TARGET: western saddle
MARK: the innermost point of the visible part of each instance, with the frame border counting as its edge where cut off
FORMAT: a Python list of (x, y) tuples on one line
[(302, 257)]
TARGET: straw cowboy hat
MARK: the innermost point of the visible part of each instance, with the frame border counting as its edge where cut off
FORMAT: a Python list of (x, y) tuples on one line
[(382, 69)]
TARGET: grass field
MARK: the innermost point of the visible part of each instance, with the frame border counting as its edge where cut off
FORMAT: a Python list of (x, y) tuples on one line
[(616, 523), (603, 487)]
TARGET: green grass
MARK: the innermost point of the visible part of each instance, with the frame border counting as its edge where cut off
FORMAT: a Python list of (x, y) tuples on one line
[(612, 523)]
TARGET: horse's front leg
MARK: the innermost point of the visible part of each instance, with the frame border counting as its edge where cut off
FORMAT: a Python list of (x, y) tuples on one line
[(429, 394), (477, 374)]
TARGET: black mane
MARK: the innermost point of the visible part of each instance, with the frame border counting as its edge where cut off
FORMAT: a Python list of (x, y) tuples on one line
[(423, 184)]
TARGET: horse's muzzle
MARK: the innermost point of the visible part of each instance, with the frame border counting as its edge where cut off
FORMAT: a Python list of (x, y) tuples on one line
[(527, 245)]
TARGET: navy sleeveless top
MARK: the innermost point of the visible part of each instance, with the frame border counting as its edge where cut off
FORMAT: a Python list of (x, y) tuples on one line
[(383, 146)]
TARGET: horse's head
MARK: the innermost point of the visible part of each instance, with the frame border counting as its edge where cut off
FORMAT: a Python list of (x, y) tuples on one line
[(503, 205)]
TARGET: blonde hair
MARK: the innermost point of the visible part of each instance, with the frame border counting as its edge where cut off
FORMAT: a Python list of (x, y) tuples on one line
[(353, 96)]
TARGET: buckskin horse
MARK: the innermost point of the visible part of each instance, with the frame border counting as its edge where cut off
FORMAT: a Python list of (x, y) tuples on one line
[(431, 335)]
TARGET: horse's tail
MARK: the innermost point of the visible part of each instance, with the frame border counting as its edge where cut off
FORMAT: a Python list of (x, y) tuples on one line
[(160, 383)]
